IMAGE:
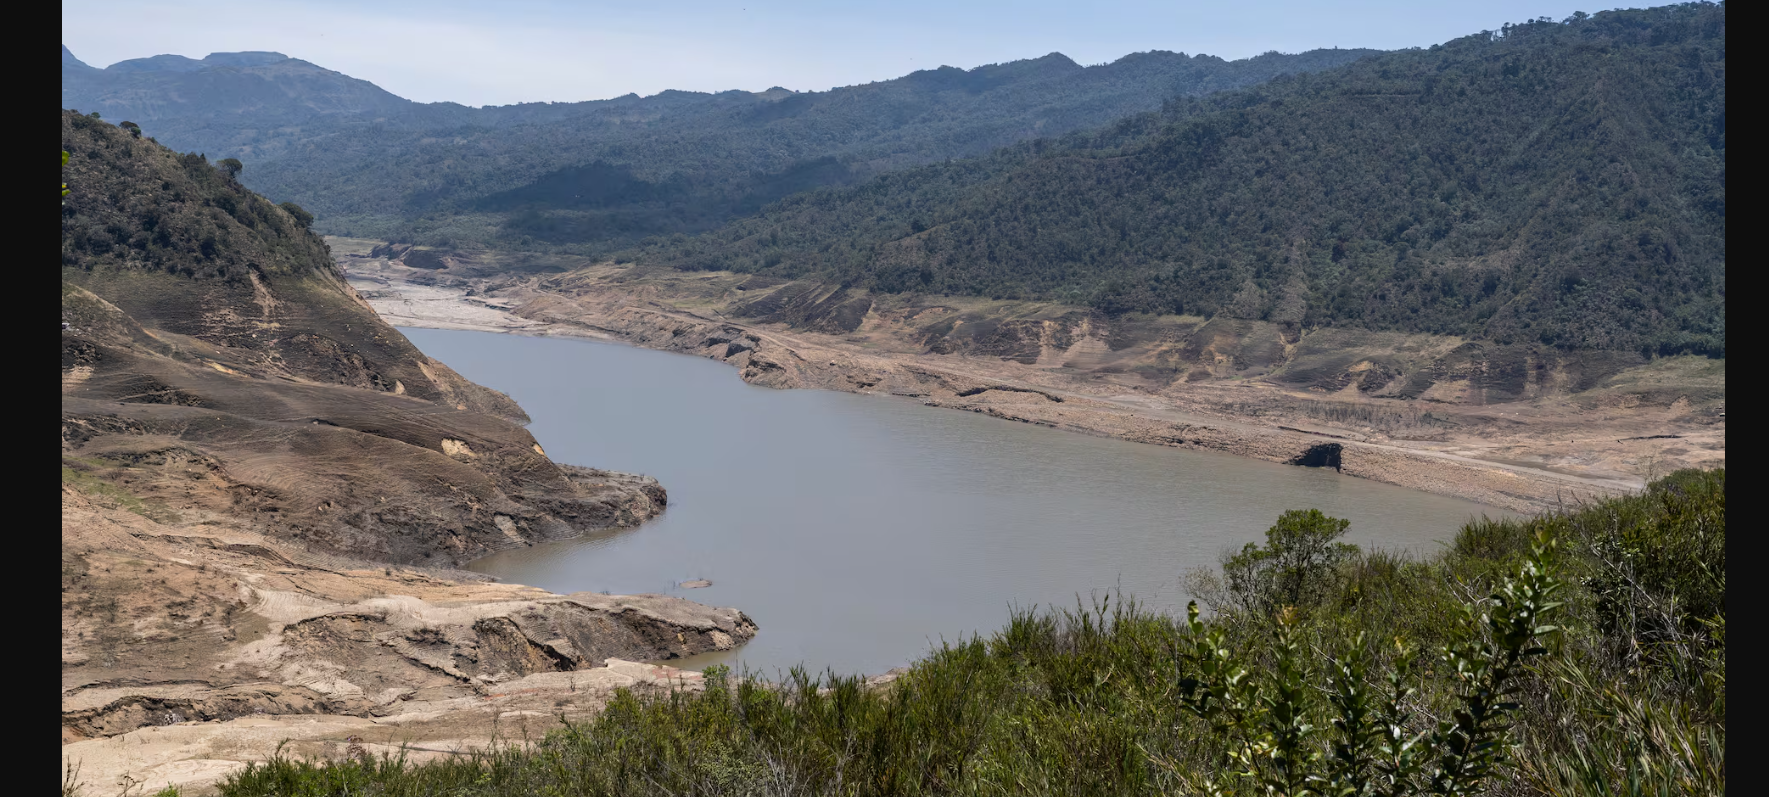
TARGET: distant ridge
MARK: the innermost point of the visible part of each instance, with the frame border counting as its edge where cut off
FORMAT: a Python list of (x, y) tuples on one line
[(265, 86), (68, 60), (1559, 184), (368, 162), (179, 63)]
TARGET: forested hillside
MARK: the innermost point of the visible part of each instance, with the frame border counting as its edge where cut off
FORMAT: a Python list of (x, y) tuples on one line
[(1554, 182), (369, 163)]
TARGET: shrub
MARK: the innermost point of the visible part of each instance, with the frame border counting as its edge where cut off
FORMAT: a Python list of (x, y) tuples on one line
[(1294, 567), (1458, 674), (298, 213)]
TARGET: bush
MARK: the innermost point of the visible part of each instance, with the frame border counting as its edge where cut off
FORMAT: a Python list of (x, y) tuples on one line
[(298, 213), (1296, 565), (1409, 678)]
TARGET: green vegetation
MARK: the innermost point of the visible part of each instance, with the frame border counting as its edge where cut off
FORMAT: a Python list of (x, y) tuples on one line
[(172, 244), (1547, 184), (143, 208), (1576, 653), (298, 213), (79, 474), (584, 174), (1295, 565), (1550, 183)]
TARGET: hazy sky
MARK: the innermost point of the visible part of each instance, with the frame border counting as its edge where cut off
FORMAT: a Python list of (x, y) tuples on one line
[(532, 50)]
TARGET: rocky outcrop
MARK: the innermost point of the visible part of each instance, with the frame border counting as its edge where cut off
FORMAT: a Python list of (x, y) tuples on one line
[(426, 259), (390, 250), (190, 646), (265, 489), (205, 329), (808, 305)]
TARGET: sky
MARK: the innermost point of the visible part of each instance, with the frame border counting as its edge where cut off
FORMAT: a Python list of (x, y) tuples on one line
[(552, 50)]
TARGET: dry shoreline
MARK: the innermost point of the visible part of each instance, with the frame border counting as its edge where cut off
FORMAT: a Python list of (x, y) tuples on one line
[(778, 358), (192, 646), (258, 543), (341, 658)]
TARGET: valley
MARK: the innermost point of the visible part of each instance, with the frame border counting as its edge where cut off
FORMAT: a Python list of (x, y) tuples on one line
[(1167, 424), (1568, 430)]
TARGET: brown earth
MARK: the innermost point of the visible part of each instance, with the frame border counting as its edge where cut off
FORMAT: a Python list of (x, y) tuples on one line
[(265, 489), (191, 645), (237, 542), (1526, 428)]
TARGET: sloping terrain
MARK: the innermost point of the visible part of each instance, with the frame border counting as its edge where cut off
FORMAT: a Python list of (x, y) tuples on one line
[(581, 173), (252, 461), (207, 327), (1523, 426), (191, 644), (1554, 184), (248, 88)]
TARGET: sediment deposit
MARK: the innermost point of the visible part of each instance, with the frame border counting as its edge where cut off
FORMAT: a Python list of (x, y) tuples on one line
[(1525, 430), (265, 490)]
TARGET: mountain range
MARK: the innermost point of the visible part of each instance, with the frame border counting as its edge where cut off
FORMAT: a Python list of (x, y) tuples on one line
[(369, 163), (1550, 183)]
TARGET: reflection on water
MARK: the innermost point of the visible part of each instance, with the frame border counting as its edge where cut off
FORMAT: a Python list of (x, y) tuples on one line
[(858, 530)]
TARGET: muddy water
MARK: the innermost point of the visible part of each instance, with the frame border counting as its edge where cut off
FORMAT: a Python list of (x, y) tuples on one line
[(860, 530)]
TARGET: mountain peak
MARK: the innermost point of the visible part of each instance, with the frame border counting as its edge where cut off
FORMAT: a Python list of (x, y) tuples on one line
[(1053, 65), (179, 63), (1055, 58), (264, 84), (68, 59), (157, 63), (248, 58)]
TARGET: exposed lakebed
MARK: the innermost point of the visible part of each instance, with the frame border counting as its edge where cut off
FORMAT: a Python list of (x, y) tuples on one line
[(859, 530)]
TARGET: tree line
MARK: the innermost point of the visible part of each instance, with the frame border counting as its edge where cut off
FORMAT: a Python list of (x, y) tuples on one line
[(1553, 182)]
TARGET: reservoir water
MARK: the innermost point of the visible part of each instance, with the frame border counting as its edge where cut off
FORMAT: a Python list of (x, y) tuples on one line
[(860, 530)]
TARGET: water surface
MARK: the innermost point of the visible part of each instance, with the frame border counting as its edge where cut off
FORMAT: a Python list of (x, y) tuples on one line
[(859, 530)]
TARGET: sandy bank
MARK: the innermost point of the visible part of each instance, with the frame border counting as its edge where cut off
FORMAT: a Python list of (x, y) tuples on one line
[(192, 647), (646, 314)]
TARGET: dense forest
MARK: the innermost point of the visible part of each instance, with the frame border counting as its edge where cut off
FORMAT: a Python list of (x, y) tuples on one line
[(1553, 182), (369, 163), (1578, 653)]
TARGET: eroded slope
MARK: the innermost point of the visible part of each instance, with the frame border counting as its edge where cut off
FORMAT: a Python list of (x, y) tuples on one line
[(252, 460)]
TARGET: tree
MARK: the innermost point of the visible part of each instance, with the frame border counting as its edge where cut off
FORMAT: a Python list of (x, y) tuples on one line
[(1295, 565), (133, 128), (298, 213), (64, 162), (232, 166)]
